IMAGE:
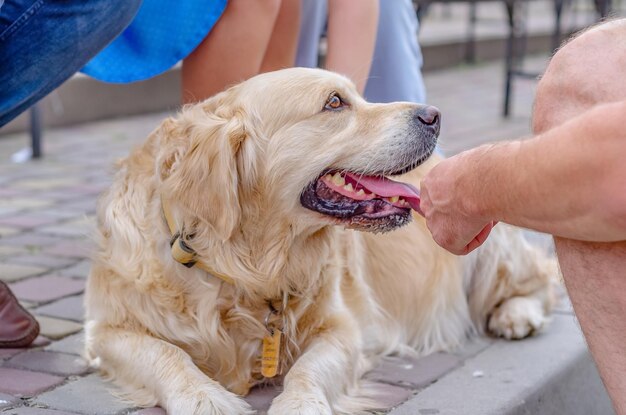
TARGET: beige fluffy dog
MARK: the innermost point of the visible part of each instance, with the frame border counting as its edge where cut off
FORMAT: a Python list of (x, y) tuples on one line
[(259, 184)]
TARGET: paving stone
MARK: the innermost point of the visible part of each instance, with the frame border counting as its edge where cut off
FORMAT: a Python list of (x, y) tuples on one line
[(6, 353), (59, 196), (87, 204), (68, 308), (80, 269), (6, 210), (93, 189), (151, 411), (563, 303), (81, 188), (26, 383), (59, 214), (39, 259), (55, 328), (23, 203), (10, 192), (25, 410), (71, 249), (98, 179), (389, 396), (66, 231), (473, 346), (88, 395), (47, 288), (414, 373), (10, 251), (73, 344), (260, 398), (564, 307), (27, 221), (49, 362), (27, 304), (81, 227), (8, 400), (14, 272), (47, 183), (8, 231), (40, 341), (31, 240)]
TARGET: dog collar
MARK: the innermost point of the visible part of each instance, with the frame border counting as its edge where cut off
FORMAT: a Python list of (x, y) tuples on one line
[(276, 325), (183, 253), (275, 321)]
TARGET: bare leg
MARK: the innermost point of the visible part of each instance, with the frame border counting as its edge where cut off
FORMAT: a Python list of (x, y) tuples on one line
[(595, 275), (587, 71), (232, 52), (281, 50), (351, 36)]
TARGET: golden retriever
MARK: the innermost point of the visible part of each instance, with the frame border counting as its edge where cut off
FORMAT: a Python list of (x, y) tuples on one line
[(266, 187)]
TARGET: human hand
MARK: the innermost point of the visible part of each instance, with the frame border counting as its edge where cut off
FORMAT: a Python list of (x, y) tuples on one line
[(446, 202)]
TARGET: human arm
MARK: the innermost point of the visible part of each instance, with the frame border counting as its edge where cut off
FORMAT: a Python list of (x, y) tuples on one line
[(351, 38), (569, 181)]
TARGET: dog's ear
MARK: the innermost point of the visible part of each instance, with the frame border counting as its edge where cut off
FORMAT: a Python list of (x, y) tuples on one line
[(198, 168)]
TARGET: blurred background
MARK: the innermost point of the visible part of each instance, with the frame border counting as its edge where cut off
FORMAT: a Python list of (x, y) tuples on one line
[(473, 53)]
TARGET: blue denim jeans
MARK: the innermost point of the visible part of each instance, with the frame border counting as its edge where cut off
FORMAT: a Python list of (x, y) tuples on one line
[(44, 42)]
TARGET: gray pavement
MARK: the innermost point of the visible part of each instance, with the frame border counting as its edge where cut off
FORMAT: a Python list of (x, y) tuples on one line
[(46, 217)]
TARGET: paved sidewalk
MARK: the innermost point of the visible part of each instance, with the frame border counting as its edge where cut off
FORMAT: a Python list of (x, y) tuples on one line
[(46, 216)]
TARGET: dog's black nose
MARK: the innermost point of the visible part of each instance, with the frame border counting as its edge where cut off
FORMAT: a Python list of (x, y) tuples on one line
[(428, 115)]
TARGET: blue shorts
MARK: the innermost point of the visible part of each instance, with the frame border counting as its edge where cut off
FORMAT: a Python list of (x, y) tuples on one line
[(161, 34)]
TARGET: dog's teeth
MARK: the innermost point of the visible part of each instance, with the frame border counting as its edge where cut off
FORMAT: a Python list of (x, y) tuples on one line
[(338, 179), (402, 201), (349, 187), (328, 177), (394, 199), (360, 192)]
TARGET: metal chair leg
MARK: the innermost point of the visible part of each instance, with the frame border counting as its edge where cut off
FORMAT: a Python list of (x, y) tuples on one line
[(470, 46), (510, 46), (558, 13), (35, 131)]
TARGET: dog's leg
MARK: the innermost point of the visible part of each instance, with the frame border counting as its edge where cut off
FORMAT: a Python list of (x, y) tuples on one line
[(327, 368), (512, 289), (152, 371), (517, 317)]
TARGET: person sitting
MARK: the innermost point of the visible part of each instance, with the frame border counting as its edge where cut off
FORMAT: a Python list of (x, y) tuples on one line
[(569, 180)]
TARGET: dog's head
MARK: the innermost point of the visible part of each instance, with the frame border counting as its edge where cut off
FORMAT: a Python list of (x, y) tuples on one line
[(298, 146)]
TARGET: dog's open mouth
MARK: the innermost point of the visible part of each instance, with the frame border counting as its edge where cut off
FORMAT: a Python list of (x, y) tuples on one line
[(368, 203)]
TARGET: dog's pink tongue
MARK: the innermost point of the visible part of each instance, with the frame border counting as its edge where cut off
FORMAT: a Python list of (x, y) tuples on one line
[(385, 187)]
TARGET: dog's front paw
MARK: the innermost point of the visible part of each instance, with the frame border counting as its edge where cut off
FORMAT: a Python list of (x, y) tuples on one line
[(517, 318), (300, 404), (207, 400)]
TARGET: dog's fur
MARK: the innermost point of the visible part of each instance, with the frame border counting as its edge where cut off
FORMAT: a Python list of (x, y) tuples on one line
[(233, 168)]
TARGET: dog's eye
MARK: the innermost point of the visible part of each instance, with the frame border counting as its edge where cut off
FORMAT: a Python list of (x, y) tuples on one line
[(334, 102)]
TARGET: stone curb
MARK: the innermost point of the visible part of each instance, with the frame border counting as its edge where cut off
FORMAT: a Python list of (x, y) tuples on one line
[(550, 374)]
